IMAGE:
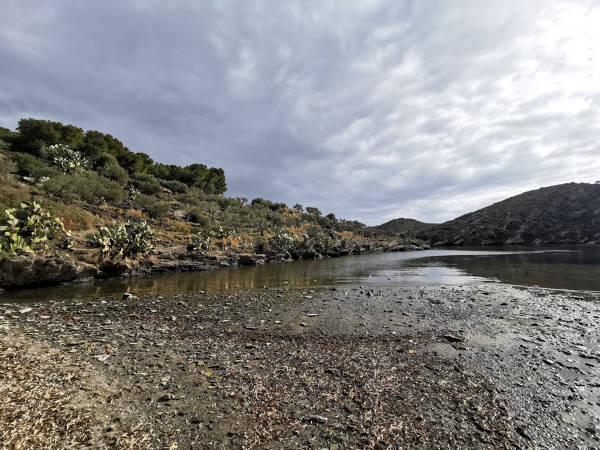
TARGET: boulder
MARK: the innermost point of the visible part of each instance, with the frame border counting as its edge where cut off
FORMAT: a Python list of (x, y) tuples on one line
[(24, 271)]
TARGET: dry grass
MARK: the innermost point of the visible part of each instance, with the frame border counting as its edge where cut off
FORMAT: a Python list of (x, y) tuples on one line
[(34, 394), (46, 402)]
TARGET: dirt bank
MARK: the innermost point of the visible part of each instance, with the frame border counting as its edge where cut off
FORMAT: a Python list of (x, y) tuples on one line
[(486, 366)]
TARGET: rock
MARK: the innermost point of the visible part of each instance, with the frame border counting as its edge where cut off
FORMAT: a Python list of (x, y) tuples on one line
[(302, 324), (127, 296), (311, 314), (452, 338), (166, 397), (25, 310), (102, 358), (314, 418), (251, 259), (30, 271)]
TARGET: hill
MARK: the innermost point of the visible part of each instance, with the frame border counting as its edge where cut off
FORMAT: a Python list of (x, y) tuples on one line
[(562, 214), (77, 203), (404, 226)]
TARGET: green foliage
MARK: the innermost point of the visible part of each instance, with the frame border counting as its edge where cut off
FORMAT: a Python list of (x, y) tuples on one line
[(125, 240), (108, 166), (317, 240), (282, 242), (202, 240), (175, 186), (196, 215), (7, 166), (147, 184), (65, 158), (86, 186), (30, 229), (313, 211), (35, 135), (158, 210), (32, 166), (155, 208)]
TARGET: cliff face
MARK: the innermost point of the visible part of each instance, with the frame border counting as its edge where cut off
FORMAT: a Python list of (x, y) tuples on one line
[(561, 214)]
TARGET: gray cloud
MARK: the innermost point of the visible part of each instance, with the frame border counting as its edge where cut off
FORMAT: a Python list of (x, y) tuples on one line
[(370, 109)]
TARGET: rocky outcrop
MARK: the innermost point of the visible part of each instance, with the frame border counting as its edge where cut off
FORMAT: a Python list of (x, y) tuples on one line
[(24, 271)]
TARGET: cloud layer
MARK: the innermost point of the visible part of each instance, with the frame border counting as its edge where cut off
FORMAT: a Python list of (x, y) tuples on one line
[(371, 109)]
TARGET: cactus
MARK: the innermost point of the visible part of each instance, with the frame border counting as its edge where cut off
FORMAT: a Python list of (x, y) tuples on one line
[(125, 240), (30, 229), (66, 159), (282, 241), (202, 240)]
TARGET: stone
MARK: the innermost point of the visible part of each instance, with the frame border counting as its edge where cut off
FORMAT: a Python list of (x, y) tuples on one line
[(314, 418), (127, 296)]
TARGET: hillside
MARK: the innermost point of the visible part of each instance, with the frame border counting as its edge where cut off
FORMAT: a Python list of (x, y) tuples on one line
[(404, 226), (562, 214), (77, 203)]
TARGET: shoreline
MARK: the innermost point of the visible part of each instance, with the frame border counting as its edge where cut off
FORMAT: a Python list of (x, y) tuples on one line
[(31, 272), (483, 366)]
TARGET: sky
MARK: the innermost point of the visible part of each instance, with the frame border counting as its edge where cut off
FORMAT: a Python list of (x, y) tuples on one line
[(371, 109)]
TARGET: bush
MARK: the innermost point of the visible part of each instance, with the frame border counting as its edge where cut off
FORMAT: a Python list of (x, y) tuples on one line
[(6, 166), (32, 166), (175, 186), (282, 242), (87, 186), (193, 197), (65, 158), (317, 240), (147, 184), (158, 210), (196, 215), (125, 240), (108, 166), (30, 229)]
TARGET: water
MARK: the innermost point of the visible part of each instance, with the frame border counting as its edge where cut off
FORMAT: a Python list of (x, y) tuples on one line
[(572, 268)]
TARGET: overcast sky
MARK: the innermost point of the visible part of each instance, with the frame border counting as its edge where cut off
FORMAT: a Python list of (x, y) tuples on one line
[(369, 109)]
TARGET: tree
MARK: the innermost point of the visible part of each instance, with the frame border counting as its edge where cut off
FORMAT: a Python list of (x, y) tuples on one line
[(298, 208), (313, 211)]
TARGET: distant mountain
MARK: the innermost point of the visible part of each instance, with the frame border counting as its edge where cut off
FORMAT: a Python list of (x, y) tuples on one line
[(408, 227), (562, 214)]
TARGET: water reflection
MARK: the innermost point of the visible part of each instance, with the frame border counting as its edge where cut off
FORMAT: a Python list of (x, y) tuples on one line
[(566, 268)]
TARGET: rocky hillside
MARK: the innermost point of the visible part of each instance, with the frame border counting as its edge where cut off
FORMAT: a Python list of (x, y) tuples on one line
[(562, 214), (404, 226)]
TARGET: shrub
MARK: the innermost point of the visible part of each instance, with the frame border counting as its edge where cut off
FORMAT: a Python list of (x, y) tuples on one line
[(147, 184), (86, 186), (6, 166), (32, 166), (317, 240), (175, 186), (196, 215), (282, 242), (158, 210), (108, 166), (125, 240), (65, 158), (30, 229)]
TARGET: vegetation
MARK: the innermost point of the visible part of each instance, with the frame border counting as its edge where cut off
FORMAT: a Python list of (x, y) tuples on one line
[(95, 186), (30, 229), (127, 240)]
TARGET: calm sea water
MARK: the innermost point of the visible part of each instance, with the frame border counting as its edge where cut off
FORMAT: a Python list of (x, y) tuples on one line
[(572, 268)]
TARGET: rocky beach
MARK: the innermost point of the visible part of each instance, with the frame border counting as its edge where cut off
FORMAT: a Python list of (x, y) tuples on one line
[(475, 366)]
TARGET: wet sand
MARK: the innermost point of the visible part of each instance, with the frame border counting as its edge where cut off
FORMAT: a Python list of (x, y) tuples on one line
[(480, 366)]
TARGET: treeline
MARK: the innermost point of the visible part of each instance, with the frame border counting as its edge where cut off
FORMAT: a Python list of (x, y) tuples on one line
[(106, 155)]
